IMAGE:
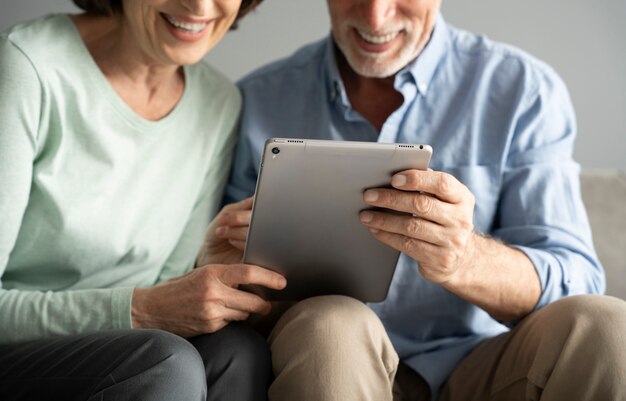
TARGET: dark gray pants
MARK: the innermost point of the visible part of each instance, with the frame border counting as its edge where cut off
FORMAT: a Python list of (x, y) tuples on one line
[(232, 364)]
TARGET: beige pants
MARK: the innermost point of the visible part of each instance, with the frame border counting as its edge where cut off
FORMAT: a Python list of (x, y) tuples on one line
[(335, 348)]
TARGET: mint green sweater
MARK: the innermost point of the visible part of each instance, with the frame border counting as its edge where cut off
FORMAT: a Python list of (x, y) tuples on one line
[(95, 200)]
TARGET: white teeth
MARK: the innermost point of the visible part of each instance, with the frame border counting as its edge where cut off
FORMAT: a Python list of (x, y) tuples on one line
[(378, 39), (192, 27)]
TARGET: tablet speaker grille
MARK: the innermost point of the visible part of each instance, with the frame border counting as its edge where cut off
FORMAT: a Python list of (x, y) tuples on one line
[(294, 141), (406, 146)]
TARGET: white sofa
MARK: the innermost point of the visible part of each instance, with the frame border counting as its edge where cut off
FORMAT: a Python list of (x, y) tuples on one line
[(604, 194)]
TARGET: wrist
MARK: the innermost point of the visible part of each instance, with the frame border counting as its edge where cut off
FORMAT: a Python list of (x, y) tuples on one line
[(466, 265), (138, 311), (202, 258)]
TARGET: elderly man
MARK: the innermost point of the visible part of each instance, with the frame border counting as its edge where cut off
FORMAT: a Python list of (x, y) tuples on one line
[(498, 241)]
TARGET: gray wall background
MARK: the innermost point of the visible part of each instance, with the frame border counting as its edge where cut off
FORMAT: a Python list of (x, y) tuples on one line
[(585, 41)]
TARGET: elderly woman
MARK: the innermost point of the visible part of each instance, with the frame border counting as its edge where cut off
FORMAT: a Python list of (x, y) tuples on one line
[(115, 142)]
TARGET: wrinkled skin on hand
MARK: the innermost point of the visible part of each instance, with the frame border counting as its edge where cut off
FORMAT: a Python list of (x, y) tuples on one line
[(436, 228)]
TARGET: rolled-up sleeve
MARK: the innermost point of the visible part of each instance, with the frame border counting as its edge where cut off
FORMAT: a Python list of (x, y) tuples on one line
[(541, 210)]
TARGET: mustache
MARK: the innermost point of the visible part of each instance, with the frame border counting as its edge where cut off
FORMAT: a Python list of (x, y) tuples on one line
[(386, 30)]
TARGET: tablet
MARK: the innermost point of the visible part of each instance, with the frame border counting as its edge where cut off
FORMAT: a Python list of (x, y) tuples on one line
[(305, 217)]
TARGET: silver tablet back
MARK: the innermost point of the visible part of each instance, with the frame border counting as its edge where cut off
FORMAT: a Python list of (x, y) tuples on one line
[(305, 221)]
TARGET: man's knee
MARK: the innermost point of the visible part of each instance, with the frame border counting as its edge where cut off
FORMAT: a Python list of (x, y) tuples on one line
[(326, 315), (602, 315), (330, 348), (599, 321), (335, 325), (579, 348), (584, 330)]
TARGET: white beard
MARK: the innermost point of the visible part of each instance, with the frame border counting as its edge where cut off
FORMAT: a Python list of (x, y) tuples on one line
[(373, 65)]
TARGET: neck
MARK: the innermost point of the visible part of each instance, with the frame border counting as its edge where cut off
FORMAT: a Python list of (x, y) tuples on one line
[(374, 98), (149, 87)]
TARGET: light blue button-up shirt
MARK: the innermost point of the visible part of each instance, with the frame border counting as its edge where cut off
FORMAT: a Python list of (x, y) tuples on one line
[(499, 120)]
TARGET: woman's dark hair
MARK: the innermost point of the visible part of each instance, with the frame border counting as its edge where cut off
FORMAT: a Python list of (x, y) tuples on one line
[(112, 7), (100, 7)]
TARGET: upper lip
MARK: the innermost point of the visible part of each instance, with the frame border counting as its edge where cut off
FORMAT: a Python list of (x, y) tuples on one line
[(378, 34), (378, 38), (190, 20)]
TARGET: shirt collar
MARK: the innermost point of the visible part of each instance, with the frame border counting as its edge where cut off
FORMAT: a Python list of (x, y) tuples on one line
[(421, 70), (335, 83)]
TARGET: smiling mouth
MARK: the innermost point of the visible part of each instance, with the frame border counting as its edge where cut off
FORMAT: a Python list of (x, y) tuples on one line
[(377, 39), (187, 27)]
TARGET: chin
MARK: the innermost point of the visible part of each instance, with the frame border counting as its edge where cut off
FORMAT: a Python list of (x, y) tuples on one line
[(373, 72), (187, 58), (369, 67)]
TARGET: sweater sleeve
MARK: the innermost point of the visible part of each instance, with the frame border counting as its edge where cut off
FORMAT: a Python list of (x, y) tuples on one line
[(26, 315)]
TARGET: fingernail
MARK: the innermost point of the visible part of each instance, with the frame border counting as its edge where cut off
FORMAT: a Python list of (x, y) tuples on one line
[(220, 230), (373, 230), (366, 217), (398, 180), (371, 195), (282, 283)]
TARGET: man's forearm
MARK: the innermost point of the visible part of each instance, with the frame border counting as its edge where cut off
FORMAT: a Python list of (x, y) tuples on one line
[(497, 278)]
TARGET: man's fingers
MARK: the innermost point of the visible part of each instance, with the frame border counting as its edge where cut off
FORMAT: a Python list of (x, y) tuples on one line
[(234, 233), (423, 252), (241, 245), (408, 226), (236, 214), (442, 185), (417, 204), (236, 218), (245, 204), (236, 275)]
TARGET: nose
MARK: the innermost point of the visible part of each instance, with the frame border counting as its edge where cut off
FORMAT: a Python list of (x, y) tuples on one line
[(376, 12), (199, 8)]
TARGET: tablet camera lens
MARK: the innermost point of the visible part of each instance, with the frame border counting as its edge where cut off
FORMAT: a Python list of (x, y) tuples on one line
[(421, 146), (275, 151)]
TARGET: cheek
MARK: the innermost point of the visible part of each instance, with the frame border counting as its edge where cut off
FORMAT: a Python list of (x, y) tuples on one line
[(144, 21), (338, 14), (225, 23), (219, 30), (229, 8), (340, 28), (228, 11)]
